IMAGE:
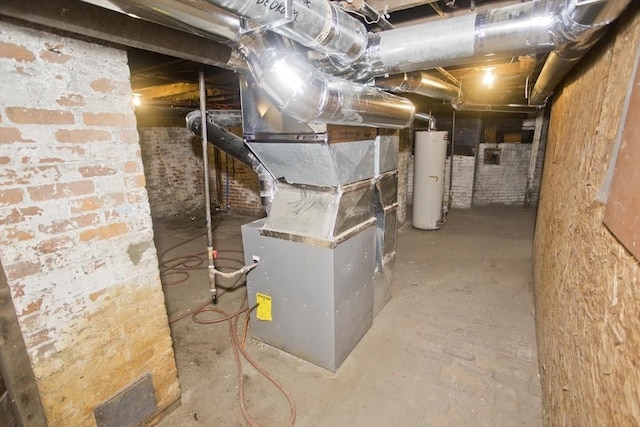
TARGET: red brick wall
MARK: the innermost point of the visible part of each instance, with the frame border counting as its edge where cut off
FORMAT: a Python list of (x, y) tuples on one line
[(244, 188), (172, 158), (76, 237)]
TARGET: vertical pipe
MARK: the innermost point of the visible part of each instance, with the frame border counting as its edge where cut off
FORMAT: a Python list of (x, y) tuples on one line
[(453, 146), (533, 160), (207, 195)]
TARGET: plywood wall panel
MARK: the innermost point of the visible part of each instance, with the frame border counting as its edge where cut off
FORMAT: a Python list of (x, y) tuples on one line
[(587, 285)]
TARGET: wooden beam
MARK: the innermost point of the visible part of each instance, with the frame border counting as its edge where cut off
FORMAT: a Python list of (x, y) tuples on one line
[(15, 365), (76, 17), (162, 91)]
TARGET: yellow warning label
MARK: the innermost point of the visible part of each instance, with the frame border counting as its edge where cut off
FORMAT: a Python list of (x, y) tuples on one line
[(264, 307)]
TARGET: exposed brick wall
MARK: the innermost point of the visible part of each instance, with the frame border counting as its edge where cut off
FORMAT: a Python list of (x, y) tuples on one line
[(76, 238), (172, 158), (506, 182), (244, 188)]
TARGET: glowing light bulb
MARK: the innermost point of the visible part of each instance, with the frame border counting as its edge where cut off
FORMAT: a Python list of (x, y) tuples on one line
[(136, 99), (488, 78)]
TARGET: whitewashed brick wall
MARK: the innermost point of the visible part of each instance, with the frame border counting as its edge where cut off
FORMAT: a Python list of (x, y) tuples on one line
[(76, 238), (462, 184), (504, 183), (462, 188)]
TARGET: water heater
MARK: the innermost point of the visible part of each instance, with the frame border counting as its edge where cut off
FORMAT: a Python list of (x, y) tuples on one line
[(430, 156)]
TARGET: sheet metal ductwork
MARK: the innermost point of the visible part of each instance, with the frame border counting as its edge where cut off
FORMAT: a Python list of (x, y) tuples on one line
[(583, 24), (421, 83), (306, 94), (192, 16), (566, 28), (319, 25)]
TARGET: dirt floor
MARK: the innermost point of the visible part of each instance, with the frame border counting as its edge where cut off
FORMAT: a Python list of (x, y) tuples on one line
[(455, 346)]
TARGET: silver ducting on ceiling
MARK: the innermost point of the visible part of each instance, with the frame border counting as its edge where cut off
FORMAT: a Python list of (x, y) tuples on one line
[(318, 25), (583, 24), (566, 28), (300, 91), (421, 83)]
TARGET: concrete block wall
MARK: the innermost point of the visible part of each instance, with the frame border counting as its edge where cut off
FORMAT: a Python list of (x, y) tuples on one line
[(504, 183), (172, 158), (76, 239)]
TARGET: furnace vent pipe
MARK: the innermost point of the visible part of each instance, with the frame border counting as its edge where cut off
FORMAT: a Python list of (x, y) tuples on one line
[(428, 118), (583, 24), (302, 92), (234, 146), (318, 25), (420, 83)]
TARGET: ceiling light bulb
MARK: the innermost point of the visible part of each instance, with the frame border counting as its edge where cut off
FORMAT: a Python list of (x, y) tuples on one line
[(488, 78)]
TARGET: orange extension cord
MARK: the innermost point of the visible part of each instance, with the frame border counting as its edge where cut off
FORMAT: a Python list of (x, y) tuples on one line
[(180, 266)]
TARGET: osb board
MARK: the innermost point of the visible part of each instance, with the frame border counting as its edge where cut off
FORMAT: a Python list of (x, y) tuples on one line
[(587, 285), (337, 133), (622, 214)]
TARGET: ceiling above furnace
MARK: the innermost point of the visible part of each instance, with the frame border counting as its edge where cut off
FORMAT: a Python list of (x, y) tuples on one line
[(348, 58), (165, 81)]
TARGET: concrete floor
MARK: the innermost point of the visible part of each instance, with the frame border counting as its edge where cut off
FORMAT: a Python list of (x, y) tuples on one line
[(455, 346)]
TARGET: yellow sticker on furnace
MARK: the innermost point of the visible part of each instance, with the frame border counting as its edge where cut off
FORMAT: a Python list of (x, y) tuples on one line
[(264, 307)]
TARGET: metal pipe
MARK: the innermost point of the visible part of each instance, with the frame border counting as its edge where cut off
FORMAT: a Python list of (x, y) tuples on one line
[(192, 16), (533, 159), (300, 91), (425, 117), (582, 24), (319, 25), (207, 195), (498, 108), (234, 146), (421, 83)]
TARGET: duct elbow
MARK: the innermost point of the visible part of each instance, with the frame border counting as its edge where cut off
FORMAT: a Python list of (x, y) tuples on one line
[(302, 92)]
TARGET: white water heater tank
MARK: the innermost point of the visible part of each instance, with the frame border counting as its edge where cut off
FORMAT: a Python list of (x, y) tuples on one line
[(430, 156)]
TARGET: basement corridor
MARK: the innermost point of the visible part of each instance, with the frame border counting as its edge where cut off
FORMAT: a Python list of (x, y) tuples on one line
[(455, 346)]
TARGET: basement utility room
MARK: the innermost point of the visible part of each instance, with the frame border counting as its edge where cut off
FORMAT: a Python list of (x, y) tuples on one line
[(319, 213)]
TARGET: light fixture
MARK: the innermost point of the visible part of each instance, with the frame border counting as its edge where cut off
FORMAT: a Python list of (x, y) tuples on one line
[(136, 99), (488, 78)]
